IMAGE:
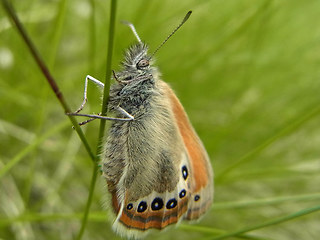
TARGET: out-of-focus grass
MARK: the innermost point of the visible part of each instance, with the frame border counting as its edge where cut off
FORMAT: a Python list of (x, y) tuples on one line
[(244, 71)]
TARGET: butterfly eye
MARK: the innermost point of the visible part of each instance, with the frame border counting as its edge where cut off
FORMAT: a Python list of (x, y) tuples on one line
[(143, 63)]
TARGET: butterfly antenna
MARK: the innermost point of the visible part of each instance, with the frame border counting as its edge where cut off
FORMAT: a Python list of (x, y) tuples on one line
[(173, 32), (133, 29)]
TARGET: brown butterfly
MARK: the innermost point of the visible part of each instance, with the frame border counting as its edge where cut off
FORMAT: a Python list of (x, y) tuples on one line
[(156, 167)]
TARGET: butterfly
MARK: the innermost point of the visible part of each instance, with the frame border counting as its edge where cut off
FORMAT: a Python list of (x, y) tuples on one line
[(155, 165)]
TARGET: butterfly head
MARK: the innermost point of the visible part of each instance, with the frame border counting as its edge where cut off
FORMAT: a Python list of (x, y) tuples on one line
[(137, 59), (137, 64)]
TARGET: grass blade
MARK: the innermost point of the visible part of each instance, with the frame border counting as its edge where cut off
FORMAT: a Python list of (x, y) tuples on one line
[(270, 223), (113, 6), (285, 131)]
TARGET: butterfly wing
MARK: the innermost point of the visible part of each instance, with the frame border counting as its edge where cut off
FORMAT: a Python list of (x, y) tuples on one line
[(154, 211), (156, 168), (201, 171)]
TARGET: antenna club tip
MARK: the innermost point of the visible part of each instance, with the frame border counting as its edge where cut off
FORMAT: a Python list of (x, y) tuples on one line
[(187, 16), (176, 29)]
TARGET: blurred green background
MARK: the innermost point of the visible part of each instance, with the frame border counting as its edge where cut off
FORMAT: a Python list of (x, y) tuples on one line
[(247, 73)]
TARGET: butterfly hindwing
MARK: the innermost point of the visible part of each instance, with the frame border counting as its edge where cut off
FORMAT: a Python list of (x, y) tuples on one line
[(157, 210)]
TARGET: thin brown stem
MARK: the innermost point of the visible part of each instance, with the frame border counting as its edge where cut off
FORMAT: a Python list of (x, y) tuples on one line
[(44, 69)]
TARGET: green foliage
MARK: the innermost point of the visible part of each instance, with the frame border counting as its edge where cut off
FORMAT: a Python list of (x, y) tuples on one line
[(247, 73)]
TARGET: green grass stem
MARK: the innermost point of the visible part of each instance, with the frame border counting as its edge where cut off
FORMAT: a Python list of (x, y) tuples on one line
[(288, 129), (274, 221), (113, 5)]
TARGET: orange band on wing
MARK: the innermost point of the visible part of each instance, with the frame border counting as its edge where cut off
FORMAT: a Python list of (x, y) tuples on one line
[(192, 143), (156, 220)]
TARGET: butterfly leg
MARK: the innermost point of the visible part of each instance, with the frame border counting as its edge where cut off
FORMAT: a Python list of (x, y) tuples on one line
[(124, 112), (129, 117), (85, 99), (87, 121), (92, 117)]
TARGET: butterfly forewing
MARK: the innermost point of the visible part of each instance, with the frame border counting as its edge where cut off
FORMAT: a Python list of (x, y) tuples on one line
[(201, 171)]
